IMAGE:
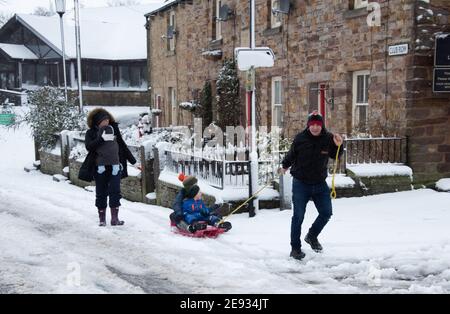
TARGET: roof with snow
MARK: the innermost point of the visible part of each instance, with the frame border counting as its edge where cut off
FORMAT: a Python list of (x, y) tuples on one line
[(17, 52), (168, 4), (111, 33)]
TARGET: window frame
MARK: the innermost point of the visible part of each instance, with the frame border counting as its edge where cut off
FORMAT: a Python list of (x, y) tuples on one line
[(172, 22), (355, 103), (274, 104)]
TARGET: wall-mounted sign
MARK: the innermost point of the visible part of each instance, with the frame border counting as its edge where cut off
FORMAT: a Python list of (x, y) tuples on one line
[(441, 80), (398, 50), (442, 51)]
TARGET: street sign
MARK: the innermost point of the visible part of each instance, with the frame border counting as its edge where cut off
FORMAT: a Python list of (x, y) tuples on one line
[(260, 57), (441, 80), (398, 50), (442, 51)]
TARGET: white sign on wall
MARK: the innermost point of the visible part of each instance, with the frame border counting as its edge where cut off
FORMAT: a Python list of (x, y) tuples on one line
[(398, 50)]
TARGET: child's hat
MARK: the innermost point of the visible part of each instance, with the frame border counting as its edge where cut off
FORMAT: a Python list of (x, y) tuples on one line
[(188, 182)]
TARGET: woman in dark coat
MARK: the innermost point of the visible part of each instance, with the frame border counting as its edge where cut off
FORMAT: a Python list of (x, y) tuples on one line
[(106, 162)]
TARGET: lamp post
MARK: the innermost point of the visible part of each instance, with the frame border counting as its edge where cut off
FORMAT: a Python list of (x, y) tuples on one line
[(254, 206), (78, 44), (61, 9)]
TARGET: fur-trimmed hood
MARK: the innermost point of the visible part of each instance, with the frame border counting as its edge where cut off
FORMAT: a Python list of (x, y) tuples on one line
[(91, 115)]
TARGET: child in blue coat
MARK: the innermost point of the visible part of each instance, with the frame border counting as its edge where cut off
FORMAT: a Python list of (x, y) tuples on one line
[(197, 214)]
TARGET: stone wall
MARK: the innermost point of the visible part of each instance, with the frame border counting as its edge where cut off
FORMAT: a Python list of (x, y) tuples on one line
[(50, 164), (378, 185), (428, 113), (320, 41)]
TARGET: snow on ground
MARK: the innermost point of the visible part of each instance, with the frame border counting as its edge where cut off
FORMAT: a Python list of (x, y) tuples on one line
[(391, 243)]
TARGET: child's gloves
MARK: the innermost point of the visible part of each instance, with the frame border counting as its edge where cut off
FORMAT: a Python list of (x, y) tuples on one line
[(204, 212), (107, 137)]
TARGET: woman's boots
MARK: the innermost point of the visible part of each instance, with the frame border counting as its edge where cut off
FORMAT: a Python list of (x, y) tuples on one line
[(102, 217), (115, 217)]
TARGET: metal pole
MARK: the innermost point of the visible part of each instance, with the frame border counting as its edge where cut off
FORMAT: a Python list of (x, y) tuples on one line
[(78, 40), (253, 153), (61, 24)]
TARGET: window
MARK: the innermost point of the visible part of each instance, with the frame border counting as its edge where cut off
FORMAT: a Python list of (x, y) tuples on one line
[(218, 23), (361, 80), (277, 101), (275, 20), (40, 74), (29, 74), (132, 76), (171, 42), (106, 74), (361, 4)]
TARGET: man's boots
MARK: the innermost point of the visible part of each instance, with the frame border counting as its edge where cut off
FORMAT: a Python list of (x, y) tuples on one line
[(312, 240), (115, 217), (102, 217)]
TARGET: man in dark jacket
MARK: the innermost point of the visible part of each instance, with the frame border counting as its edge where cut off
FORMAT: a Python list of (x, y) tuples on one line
[(104, 150), (308, 160)]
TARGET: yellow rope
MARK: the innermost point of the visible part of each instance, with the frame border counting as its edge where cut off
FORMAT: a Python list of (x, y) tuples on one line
[(333, 187), (245, 202)]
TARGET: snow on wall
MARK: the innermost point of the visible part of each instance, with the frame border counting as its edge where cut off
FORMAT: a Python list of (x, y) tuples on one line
[(381, 169), (443, 185)]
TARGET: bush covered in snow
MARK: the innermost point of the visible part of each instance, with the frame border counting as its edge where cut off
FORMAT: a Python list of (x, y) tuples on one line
[(50, 114), (228, 102)]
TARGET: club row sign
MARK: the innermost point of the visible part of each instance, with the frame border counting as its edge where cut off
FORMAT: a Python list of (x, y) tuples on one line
[(398, 50)]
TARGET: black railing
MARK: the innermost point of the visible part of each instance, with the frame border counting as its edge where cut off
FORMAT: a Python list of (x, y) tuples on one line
[(375, 150)]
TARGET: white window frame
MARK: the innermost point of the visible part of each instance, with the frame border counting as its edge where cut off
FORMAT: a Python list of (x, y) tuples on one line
[(275, 18), (355, 102), (218, 22), (173, 105), (361, 4), (277, 104), (172, 22)]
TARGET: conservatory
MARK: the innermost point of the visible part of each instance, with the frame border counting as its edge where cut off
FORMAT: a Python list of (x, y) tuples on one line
[(113, 51)]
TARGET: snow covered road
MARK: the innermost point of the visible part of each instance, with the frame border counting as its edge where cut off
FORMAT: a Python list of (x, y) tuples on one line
[(50, 243)]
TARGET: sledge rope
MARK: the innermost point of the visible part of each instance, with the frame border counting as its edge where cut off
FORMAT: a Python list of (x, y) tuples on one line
[(246, 201), (333, 187)]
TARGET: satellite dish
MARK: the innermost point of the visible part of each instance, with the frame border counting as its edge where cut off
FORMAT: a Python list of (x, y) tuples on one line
[(283, 7), (224, 13), (261, 57)]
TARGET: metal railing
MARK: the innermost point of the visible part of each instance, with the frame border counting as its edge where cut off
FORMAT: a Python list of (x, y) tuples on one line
[(376, 150), (218, 173)]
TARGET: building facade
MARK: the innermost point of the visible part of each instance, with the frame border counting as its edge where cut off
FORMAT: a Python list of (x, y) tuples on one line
[(366, 65)]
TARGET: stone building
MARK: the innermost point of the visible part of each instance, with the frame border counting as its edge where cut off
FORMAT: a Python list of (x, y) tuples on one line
[(367, 66)]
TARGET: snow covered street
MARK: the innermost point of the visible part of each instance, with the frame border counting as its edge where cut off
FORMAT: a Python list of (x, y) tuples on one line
[(50, 243)]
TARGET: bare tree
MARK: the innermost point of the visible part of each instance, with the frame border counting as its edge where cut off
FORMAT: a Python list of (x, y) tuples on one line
[(4, 17), (41, 11), (121, 3)]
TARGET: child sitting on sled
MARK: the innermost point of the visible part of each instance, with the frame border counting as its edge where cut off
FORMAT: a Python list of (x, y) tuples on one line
[(195, 213)]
